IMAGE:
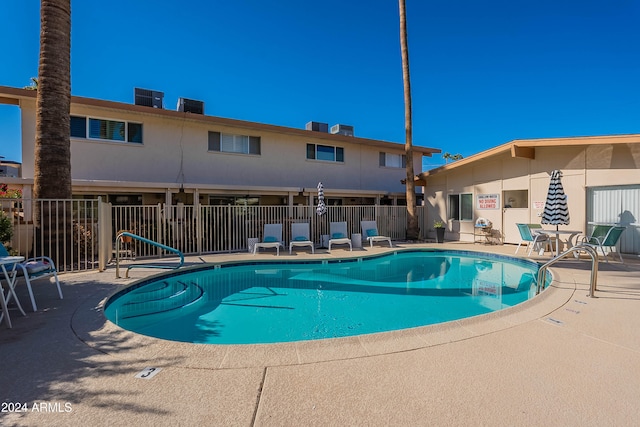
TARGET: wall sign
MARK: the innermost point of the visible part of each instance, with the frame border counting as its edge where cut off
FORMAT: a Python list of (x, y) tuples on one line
[(538, 204), (488, 201)]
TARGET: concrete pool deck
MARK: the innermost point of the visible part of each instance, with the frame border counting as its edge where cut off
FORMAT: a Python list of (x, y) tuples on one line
[(560, 359)]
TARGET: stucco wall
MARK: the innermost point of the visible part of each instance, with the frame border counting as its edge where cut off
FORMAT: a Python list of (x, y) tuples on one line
[(175, 150), (582, 167)]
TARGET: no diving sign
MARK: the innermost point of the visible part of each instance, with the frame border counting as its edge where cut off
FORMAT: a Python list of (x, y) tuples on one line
[(488, 201)]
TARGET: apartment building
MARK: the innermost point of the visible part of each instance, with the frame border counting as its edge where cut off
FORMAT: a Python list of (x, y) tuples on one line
[(142, 153)]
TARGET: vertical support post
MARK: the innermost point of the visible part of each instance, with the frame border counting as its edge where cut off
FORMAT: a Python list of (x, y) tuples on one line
[(162, 211)]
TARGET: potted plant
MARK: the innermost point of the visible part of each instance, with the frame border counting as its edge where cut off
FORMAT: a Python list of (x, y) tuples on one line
[(439, 227)]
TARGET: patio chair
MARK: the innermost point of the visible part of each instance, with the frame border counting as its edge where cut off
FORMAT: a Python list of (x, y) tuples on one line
[(605, 236), (370, 232), (300, 236), (32, 269), (271, 238), (338, 235), (533, 240)]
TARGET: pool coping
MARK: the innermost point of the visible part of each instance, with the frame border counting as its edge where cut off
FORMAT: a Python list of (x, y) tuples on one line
[(91, 326)]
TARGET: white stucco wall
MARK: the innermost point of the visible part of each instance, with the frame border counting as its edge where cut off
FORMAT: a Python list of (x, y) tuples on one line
[(582, 166), (175, 150)]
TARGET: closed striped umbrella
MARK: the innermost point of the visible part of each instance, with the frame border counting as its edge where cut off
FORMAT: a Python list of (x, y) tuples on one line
[(556, 209), (322, 208)]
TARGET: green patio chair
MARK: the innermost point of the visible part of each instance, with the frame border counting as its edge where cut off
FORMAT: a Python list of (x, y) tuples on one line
[(533, 240), (605, 236)]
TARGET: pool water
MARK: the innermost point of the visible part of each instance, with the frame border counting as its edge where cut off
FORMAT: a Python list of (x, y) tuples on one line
[(286, 301)]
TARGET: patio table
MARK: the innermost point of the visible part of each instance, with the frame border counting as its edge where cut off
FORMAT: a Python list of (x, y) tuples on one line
[(557, 233), (10, 276)]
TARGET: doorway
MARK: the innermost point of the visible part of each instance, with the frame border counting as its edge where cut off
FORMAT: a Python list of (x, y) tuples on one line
[(515, 209)]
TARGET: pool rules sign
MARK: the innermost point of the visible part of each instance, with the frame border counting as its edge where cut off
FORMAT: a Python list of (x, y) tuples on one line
[(488, 201)]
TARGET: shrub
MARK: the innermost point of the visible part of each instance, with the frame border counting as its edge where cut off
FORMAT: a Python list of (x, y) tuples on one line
[(6, 229)]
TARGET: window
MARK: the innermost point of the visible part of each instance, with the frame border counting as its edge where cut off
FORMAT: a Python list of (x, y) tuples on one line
[(134, 132), (106, 129), (461, 207), (234, 200), (393, 160), (110, 130), (125, 199), (229, 143), (325, 152), (516, 198), (78, 127)]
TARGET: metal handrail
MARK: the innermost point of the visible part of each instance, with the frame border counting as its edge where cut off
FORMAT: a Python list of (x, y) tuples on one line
[(542, 271), (149, 242)]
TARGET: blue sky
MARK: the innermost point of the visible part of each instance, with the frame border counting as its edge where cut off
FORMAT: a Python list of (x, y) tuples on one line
[(483, 73)]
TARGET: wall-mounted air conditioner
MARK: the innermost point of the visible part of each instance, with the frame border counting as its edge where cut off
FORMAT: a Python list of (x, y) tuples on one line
[(190, 106), (318, 127), (148, 98), (342, 130)]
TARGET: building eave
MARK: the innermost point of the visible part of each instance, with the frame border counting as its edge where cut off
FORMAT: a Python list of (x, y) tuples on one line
[(525, 148), (107, 186), (9, 95)]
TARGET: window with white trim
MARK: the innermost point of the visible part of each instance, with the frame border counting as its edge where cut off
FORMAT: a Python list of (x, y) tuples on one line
[(326, 153), (393, 160), (229, 143), (104, 129), (461, 207)]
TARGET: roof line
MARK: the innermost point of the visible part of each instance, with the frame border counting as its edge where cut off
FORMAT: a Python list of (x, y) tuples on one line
[(7, 94), (514, 146)]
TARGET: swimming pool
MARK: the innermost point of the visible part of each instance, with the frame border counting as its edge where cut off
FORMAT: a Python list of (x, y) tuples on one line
[(268, 302)]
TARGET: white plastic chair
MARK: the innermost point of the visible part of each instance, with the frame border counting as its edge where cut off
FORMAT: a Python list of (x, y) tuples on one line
[(35, 268), (271, 238), (300, 236), (370, 232), (338, 235)]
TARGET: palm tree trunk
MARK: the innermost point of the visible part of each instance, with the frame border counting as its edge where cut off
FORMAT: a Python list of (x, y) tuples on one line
[(413, 230), (52, 168)]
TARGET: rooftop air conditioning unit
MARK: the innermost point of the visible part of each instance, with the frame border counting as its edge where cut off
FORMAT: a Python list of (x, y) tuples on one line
[(148, 98), (190, 106), (342, 130), (318, 127)]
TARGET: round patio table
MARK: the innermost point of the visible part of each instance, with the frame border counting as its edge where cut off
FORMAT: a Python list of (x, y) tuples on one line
[(557, 233), (11, 278)]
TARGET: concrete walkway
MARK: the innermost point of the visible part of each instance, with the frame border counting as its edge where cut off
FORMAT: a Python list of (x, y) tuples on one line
[(562, 359)]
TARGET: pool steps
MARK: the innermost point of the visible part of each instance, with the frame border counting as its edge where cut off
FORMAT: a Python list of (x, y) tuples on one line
[(172, 296)]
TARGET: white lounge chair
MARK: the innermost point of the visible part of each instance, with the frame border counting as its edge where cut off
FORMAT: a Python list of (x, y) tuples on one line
[(32, 269), (338, 235), (271, 238), (370, 232), (300, 236)]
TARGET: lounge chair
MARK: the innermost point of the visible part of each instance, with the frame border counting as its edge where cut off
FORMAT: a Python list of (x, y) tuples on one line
[(32, 269), (605, 236), (300, 236), (338, 235), (271, 238), (533, 240), (370, 232)]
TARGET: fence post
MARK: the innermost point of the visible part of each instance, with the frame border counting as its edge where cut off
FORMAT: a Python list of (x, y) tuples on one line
[(159, 226), (104, 233)]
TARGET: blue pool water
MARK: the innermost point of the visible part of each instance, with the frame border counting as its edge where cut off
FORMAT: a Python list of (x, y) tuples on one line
[(286, 301)]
